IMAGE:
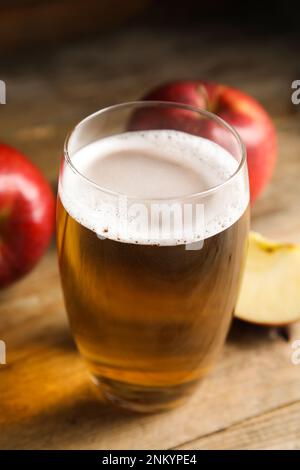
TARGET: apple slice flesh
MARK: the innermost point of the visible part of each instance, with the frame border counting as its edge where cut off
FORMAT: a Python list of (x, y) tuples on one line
[(270, 291)]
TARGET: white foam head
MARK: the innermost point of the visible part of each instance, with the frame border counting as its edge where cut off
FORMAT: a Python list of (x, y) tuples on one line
[(132, 172)]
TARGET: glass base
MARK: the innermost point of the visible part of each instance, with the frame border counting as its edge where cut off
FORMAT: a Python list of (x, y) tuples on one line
[(143, 399)]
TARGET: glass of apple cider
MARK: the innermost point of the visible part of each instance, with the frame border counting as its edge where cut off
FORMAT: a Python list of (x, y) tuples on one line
[(152, 229)]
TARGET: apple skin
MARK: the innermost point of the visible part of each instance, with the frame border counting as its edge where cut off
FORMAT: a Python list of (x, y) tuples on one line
[(237, 108), (27, 215)]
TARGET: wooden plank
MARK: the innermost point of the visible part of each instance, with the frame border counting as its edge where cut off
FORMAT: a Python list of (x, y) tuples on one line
[(277, 430), (26, 23), (48, 402), (276, 213)]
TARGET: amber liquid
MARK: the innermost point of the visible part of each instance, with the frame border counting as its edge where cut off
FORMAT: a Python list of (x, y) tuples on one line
[(149, 320)]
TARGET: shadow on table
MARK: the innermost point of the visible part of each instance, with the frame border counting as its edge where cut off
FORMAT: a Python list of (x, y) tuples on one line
[(246, 334), (82, 421)]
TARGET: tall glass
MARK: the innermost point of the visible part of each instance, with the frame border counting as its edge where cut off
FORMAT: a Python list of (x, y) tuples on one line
[(151, 273)]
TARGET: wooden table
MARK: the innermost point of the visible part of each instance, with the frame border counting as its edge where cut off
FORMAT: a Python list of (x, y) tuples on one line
[(252, 398)]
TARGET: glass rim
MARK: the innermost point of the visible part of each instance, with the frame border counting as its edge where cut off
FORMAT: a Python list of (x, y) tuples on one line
[(159, 103)]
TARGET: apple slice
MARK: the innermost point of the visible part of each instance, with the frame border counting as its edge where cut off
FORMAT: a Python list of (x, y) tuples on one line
[(270, 292)]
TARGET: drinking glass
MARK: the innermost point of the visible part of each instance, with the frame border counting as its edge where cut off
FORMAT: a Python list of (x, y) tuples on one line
[(150, 304)]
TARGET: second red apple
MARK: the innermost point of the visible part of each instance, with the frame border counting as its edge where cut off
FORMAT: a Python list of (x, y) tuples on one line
[(237, 108)]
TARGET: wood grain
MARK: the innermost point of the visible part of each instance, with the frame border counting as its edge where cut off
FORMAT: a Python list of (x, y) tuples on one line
[(278, 429), (252, 398), (47, 400), (28, 23)]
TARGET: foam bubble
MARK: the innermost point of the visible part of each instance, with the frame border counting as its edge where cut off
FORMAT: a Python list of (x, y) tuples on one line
[(148, 165)]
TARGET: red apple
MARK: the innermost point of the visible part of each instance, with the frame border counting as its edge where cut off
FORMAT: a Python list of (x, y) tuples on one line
[(27, 214), (238, 109)]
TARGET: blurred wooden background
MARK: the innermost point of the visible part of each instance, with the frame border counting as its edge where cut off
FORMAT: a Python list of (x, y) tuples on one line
[(39, 22), (36, 23), (55, 77)]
